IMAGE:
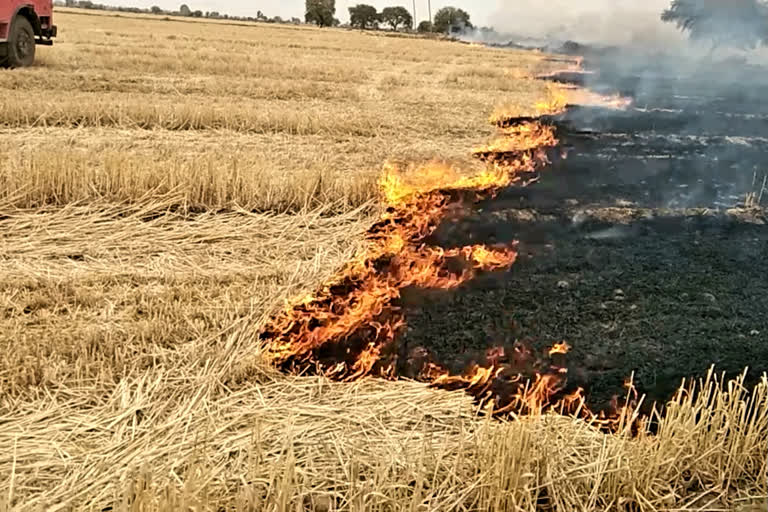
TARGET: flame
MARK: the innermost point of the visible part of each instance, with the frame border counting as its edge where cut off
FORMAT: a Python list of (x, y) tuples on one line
[(520, 138), (560, 348), (586, 97), (359, 303), (510, 114), (490, 259), (347, 328), (555, 103)]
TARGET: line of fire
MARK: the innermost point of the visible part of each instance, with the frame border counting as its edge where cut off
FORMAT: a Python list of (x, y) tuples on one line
[(555, 280)]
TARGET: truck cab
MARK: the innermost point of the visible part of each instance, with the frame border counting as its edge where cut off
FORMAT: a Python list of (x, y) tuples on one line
[(24, 24)]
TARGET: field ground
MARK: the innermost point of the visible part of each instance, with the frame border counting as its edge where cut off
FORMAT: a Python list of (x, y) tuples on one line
[(164, 186)]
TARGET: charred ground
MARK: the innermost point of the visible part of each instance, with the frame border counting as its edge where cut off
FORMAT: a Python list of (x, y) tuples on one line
[(637, 249)]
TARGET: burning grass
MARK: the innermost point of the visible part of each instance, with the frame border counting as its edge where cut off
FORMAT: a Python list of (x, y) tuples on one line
[(136, 278), (355, 316)]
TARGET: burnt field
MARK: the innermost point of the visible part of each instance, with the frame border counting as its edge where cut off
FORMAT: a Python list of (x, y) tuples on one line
[(640, 249)]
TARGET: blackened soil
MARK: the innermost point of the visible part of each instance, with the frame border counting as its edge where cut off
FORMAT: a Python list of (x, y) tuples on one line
[(634, 250), (665, 298)]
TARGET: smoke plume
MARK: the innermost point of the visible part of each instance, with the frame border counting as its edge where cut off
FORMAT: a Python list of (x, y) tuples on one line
[(603, 22)]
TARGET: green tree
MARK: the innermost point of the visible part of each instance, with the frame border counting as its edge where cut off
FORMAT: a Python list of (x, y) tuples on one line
[(155, 10), (448, 19), (397, 16), (363, 16), (184, 10), (320, 12), (734, 23)]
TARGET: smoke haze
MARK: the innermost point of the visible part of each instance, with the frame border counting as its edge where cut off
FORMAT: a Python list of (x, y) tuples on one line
[(605, 22)]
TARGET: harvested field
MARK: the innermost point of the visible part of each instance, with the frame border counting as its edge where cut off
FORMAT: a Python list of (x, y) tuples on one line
[(178, 186)]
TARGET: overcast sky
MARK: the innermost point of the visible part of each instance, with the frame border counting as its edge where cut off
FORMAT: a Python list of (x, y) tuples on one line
[(480, 11)]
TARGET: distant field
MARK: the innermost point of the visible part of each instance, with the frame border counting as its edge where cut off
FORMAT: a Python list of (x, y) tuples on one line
[(269, 103), (165, 185)]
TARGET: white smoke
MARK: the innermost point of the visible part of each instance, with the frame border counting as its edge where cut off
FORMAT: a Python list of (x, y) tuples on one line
[(603, 22)]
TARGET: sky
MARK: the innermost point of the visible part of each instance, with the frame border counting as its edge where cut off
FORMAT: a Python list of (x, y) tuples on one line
[(481, 12)]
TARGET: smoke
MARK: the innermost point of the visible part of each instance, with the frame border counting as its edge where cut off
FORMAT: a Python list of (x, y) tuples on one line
[(693, 137), (596, 22)]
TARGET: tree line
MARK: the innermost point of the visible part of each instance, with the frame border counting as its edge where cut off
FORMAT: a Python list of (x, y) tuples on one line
[(367, 17), (734, 23)]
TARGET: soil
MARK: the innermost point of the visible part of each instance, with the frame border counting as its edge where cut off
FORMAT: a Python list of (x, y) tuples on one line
[(637, 250)]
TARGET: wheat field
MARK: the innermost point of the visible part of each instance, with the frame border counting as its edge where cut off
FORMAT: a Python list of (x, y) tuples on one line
[(166, 185)]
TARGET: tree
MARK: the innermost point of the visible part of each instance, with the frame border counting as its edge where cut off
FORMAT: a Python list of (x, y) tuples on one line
[(277, 19), (363, 16), (320, 12), (450, 19), (735, 23), (155, 10), (396, 16), (184, 10), (425, 26)]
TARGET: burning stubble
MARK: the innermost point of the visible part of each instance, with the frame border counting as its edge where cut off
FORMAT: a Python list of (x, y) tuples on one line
[(351, 327), (356, 325)]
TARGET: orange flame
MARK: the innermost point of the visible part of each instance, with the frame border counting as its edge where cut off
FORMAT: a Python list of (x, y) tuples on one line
[(359, 302), (560, 348), (521, 138), (347, 328)]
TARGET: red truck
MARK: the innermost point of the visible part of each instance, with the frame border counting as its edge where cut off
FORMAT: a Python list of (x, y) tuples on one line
[(23, 24)]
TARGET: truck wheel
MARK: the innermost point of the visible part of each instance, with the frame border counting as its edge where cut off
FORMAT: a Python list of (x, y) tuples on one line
[(21, 43)]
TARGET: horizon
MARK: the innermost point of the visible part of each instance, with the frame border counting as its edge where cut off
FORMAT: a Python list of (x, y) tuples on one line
[(479, 14)]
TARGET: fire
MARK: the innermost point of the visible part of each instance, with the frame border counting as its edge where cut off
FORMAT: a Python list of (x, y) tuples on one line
[(560, 348), (348, 328), (489, 259), (592, 99), (556, 102), (520, 138)]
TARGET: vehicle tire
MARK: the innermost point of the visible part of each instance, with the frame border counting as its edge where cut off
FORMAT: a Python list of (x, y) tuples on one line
[(3, 55), (21, 43)]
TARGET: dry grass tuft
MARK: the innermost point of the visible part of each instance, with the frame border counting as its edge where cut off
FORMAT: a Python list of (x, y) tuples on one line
[(216, 180)]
